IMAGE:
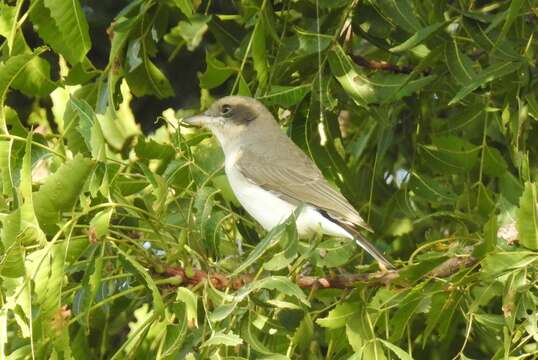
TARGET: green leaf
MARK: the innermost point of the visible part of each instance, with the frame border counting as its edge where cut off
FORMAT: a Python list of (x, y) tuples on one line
[(147, 79), (186, 7), (451, 154), (490, 238), (286, 96), (118, 127), (338, 316), (459, 64), (223, 338), (499, 47), (312, 43), (527, 217), (304, 333), (259, 55), (144, 277), (151, 149), (90, 284), (408, 306), (30, 232), (89, 128), (494, 162), (190, 300), (9, 71), (493, 72), (418, 37), (270, 240), (401, 13), (334, 252), (7, 17), (216, 72), (401, 354), (431, 190), (99, 224), (72, 27), (288, 254), (514, 10), (495, 264), (35, 79), (381, 87), (6, 148), (283, 285), (60, 192), (12, 258), (356, 85), (192, 30)]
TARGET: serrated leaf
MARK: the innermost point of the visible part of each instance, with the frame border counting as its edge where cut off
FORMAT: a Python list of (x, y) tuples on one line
[(30, 231), (338, 316), (142, 274), (190, 300), (72, 27), (9, 71), (61, 191), (286, 96), (35, 79), (223, 338), (494, 162), (12, 258), (283, 285), (459, 64), (451, 154), (148, 79), (493, 72), (418, 37), (192, 30), (357, 86), (401, 354), (186, 6), (99, 224), (259, 55), (527, 217), (216, 72), (286, 256), (270, 240), (312, 43), (380, 87), (401, 13)]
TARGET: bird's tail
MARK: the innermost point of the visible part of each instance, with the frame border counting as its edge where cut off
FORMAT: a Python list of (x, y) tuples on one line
[(368, 247), (372, 250)]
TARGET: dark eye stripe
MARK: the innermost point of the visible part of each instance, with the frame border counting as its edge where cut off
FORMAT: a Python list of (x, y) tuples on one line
[(244, 114)]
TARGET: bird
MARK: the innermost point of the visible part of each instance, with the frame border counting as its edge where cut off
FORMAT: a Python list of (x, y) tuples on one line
[(272, 177)]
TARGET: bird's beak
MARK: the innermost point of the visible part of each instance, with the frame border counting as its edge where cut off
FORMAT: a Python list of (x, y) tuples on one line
[(197, 120)]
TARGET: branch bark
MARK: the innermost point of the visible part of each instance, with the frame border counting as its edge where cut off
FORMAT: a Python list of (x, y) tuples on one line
[(384, 66), (340, 281)]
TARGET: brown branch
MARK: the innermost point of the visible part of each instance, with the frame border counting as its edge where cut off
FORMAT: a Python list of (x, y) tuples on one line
[(381, 65), (452, 266), (385, 66), (339, 281)]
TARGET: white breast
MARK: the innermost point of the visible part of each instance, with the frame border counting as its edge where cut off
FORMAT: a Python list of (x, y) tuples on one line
[(270, 210)]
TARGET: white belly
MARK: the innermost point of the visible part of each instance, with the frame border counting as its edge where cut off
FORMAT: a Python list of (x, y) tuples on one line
[(270, 210)]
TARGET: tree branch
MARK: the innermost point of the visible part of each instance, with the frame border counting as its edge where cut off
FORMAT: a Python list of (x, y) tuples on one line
[(384, 66), (340, 281)]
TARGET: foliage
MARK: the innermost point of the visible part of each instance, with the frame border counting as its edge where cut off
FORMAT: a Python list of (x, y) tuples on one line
[(423, 113)]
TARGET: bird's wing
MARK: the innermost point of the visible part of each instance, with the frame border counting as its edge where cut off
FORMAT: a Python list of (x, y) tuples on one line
[(297, 179)]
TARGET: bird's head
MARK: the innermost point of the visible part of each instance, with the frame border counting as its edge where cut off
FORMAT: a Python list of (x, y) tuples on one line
[(232, 117)]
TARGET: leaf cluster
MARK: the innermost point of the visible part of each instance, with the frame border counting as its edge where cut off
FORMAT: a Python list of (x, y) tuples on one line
[(424, 115)]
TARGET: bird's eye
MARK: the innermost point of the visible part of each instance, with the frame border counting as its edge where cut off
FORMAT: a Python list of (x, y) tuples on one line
[(226, 110)]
